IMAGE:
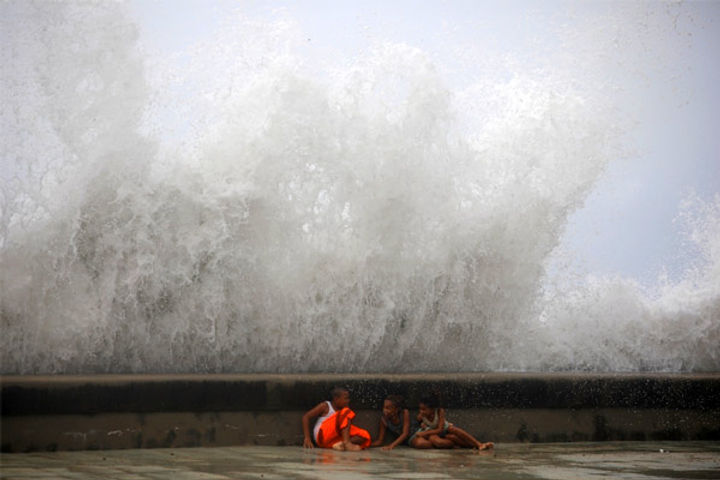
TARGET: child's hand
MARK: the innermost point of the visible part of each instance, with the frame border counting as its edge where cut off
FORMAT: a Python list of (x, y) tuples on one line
[(307, 443), (388, 447)]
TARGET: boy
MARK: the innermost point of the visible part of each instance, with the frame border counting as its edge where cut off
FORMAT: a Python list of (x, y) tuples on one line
[(334, 428)]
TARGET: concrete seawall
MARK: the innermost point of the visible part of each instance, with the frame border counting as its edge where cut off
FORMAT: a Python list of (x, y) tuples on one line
[(146, 411)]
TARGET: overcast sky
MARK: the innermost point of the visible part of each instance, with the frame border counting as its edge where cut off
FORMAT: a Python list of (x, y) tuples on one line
[(626, 226)]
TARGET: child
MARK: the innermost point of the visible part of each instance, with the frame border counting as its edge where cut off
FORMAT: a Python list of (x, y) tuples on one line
[(334, 428), (396, 419), (437, 432)]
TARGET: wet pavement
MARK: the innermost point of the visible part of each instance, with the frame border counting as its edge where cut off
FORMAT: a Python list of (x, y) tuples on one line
[(572, 461)]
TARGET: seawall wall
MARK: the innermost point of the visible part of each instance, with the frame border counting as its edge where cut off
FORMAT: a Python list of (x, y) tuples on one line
[(145, 411)]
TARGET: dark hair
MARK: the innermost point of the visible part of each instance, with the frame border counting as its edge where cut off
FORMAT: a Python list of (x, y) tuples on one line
[(431, 400), (337, 392), (396, 400)]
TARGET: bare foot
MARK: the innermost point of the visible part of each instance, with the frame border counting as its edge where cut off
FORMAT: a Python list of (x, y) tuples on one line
[(338, 446), (485, 446), (352, 447)]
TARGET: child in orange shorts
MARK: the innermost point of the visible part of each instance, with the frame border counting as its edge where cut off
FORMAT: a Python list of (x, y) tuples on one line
[(333, 427)]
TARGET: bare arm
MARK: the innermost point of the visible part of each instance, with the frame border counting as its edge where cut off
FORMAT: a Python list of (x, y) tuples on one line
[(381, 435), (316, 411)]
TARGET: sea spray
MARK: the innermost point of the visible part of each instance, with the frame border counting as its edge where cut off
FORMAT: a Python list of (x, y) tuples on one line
[(625, 326), (274, 219)]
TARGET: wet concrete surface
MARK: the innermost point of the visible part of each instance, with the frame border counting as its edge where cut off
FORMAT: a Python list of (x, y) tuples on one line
[(576, 461)]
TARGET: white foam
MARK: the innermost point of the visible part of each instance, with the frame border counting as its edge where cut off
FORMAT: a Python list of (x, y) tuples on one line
[(272, 219)]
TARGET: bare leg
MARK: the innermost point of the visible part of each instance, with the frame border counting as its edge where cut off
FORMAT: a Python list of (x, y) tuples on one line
[(460, 440), (439, 442), (419, 442), (455, 439), (347, 442), (468, 440)]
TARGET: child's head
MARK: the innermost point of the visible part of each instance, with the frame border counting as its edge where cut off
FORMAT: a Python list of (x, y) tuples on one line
[(392, 405), (340, 397), (428, 404)]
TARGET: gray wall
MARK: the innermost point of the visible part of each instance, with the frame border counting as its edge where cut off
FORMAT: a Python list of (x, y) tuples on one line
[(146, 411)]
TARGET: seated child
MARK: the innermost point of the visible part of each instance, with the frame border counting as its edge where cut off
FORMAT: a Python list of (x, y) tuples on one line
[(396, 419), (333, 427), (436, 431)]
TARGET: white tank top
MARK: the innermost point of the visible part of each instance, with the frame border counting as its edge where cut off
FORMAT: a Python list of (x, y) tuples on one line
[(321, 419)]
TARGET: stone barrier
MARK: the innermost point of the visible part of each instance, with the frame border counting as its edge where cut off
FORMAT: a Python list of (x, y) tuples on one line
[(146, 411)]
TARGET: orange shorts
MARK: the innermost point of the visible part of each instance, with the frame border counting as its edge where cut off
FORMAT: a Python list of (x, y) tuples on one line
[(330, 430)]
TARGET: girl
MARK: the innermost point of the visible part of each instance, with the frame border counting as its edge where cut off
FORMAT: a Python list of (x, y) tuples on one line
[(437, 432), (396, 419)]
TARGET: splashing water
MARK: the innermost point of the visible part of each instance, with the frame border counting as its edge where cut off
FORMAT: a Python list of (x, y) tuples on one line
[(276, 219)]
